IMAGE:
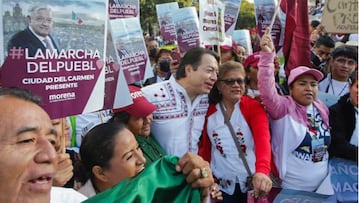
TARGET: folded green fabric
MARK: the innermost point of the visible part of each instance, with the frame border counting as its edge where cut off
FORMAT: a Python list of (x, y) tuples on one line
[(159, 183)]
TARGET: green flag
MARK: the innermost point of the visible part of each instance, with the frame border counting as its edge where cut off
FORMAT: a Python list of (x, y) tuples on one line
[(158, 183)]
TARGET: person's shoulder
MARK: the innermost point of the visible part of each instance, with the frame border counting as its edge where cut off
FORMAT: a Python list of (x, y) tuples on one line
[(335, 107), (249, 101), (21, 38), (342, 104), (21, 34), (159, 86), (327, 77)]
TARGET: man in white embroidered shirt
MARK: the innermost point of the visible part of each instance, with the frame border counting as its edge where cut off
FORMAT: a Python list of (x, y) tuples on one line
[(37, 34), (182, 102)]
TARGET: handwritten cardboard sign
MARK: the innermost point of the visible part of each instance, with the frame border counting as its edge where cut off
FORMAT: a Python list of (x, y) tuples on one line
[(341, 16)]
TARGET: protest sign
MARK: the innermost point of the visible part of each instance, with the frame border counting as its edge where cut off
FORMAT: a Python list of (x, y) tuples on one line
[(123, 8), (344, 179), (165, 19), (187, 28), (212, 27), (242, 37), (264, 11), (116, 91), (288, 195), (232, 8), (130, 49), (66, 69), (341, 16)]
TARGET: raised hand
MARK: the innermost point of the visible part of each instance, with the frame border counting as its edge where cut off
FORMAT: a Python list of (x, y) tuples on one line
[(266, 42)]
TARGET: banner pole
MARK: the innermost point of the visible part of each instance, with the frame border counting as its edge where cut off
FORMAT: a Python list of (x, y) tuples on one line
[(274, 16)]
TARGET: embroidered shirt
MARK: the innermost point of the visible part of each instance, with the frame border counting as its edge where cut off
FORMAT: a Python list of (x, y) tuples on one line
[(178, 121)]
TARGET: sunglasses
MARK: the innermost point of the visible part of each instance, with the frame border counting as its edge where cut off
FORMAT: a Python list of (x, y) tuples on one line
[(239, 81)]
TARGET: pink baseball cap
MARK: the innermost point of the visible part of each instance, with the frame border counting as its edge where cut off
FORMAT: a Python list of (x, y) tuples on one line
[(301, 70), (227, 47), (141, 107)]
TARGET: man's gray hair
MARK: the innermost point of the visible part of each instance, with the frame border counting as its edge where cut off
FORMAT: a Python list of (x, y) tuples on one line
[(34, 9)]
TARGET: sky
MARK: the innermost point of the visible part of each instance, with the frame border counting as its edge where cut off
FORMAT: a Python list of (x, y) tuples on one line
[(90, 9)]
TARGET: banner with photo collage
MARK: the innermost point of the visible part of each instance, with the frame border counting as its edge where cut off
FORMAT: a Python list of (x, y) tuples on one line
[(62, 61)]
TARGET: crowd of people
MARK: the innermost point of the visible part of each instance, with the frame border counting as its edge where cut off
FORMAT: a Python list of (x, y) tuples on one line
[(206, 121)]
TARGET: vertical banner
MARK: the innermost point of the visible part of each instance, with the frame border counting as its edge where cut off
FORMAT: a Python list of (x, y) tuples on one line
[(165, 19), (123, 9), (264, 11), (130, 49), (116, 91), (212, 26), (341, 16), (187, 28), (232, 8), (242, 37), (56, 49)]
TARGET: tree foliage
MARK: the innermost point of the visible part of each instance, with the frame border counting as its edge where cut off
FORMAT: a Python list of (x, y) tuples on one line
[(246, 18)]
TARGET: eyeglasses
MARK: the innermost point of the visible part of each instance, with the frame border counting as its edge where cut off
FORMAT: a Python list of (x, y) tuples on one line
[(239, 81)]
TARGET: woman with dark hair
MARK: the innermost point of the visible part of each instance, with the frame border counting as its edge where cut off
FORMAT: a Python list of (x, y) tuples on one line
[(229, 53), (161, 70), (344, 123), (110, 154), (97, 153), (138, 118), (251, 69), (251, 128), (300, 131)]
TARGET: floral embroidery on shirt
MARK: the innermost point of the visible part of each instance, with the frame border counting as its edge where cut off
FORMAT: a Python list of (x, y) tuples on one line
[(217, 142), (241, 140), (224, 183)]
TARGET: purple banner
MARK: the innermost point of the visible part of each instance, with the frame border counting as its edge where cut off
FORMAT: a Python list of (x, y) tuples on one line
[(168, 33), (187, 28), (115, 83), (264, 10), (188, 40), (56, 49), (123, 8), (130, 49), (65, 80), (167, 26), (232, 8)]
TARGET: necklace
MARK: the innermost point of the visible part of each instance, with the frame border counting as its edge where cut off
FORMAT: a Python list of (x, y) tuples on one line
[(332, 87)]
